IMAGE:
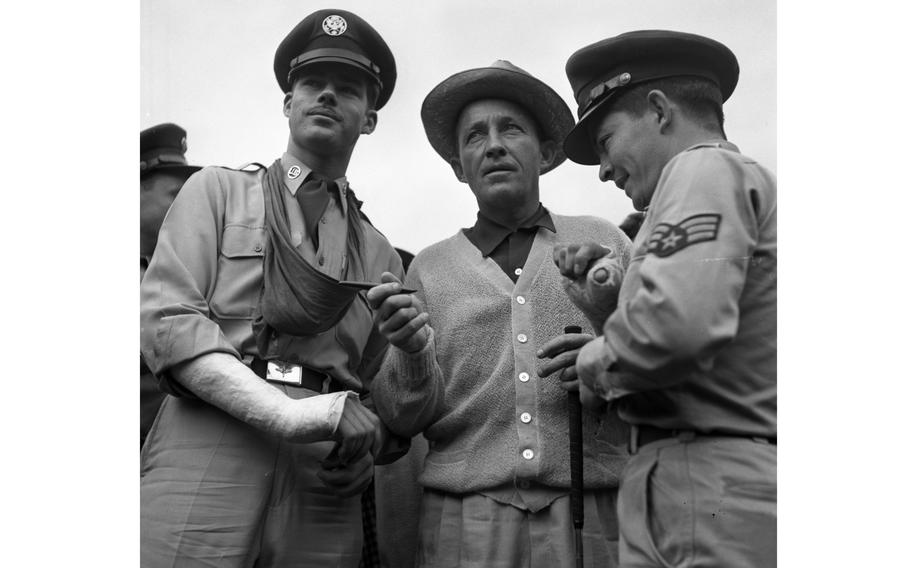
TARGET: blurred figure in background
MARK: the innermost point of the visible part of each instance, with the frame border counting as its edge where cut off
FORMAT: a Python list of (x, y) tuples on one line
[(162, 171), (632, 223)]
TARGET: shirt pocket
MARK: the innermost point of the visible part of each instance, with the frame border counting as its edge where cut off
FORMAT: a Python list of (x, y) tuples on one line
[(239, 272)]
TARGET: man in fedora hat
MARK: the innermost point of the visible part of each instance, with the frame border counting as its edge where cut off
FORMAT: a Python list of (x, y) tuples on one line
[(690, 353), (463, 368), (260, 456), (162, 172)]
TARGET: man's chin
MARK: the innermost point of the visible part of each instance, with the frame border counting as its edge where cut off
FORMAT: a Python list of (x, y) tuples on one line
[(326, 137)]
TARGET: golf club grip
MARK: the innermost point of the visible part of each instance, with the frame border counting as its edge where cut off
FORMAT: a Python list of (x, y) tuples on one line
[(575, 452)]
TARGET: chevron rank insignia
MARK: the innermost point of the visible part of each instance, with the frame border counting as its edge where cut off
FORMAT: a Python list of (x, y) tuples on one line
[(667, 239)]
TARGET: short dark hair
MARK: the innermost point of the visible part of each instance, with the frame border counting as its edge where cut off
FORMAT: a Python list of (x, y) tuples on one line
[(699, 98), (373, 91)]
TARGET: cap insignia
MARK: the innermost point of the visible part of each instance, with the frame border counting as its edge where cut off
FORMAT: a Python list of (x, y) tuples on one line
[(334, 25), (605, 87)]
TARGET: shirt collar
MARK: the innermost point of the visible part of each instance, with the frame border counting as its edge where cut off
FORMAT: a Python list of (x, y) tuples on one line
[(488, 234), (724, 144), (288, 162)]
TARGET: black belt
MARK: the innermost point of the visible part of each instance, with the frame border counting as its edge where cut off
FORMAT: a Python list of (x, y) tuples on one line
[(309, 379), (642, 434)]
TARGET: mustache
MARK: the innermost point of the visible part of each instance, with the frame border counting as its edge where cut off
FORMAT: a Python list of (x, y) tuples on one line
[(324, 111)]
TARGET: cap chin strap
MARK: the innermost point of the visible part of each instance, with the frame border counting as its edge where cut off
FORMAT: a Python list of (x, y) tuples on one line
[(338, 55), (603, 88)]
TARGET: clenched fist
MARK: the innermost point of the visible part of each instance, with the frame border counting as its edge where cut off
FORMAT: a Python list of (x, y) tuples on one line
[(592, 275)]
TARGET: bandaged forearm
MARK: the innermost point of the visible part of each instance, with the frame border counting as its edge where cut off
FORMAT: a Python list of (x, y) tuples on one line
[(223, 381)]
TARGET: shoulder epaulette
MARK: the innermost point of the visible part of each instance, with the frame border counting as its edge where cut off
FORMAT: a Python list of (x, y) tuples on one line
[(251, 167), (248, 167)]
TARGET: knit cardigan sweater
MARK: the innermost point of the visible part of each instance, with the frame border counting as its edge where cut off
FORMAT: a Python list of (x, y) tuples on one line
[(474, 390)]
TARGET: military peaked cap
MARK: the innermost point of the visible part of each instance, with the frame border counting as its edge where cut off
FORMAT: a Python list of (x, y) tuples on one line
[(336, 36), (163, 146), (602, 70)]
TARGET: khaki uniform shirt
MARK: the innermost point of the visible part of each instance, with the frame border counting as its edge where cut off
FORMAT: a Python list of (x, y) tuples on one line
[(694, 338), (202, 286)]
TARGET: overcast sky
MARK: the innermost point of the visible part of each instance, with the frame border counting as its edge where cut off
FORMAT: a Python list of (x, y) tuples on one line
[(207, 65)]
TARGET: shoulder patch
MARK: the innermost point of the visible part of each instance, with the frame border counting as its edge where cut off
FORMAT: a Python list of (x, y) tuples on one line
[(667, 239)]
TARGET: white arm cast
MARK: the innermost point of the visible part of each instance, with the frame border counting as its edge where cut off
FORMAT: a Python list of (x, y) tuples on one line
[(223, 381)]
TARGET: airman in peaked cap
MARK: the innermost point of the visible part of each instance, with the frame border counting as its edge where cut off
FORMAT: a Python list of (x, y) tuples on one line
[(248, 325), (690, 353), (603, 70), (336, 36)]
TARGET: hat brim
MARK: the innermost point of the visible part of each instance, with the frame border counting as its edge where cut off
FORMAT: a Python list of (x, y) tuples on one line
[(578, 145), (443, 105)]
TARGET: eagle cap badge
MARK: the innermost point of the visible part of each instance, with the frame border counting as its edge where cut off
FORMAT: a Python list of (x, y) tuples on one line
[(334, 25)]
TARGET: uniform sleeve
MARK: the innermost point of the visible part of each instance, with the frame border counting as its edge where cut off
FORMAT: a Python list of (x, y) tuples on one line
[(697, 253), (175, 326), (408, 390)]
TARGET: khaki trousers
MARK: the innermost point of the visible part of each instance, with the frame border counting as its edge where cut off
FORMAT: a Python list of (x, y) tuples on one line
[(700, 502), (215, 492)]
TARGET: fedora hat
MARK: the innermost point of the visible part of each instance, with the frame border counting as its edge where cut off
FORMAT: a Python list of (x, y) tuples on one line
[(501, 80)]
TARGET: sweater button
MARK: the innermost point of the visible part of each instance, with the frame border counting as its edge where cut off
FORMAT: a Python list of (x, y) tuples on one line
[(524, 484), (524, 377), (528, 454), (522, 338), (520, 299), (525, 417), (518, 272)]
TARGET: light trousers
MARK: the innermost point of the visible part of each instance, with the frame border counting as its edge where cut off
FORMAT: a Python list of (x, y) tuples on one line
[(474, 531), (216, 492), (703, 502)]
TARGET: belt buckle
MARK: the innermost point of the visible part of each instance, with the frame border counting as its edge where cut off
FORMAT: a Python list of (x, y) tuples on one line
[(286, 373)]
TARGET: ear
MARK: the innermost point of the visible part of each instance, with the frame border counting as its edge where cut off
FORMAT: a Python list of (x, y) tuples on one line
[(659, 104), (547, 154), (459, 171), (287, 105), (369, 122)]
